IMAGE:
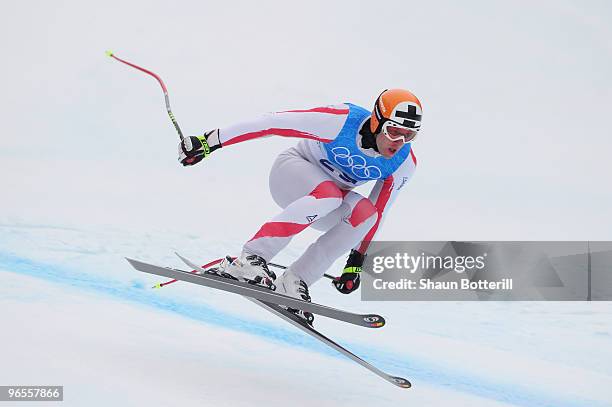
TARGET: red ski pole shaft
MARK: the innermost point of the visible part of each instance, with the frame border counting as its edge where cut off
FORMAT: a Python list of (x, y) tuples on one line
[(163, 86), (212, 263)]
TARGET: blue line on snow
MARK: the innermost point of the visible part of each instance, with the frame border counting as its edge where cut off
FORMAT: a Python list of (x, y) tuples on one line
[(418, 371)]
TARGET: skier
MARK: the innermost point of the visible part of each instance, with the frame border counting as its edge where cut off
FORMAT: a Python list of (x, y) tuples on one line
[(342, 146)]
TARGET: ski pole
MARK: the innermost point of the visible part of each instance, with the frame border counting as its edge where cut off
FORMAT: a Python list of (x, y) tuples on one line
[(212, 263), (176, 125), (278, 266)]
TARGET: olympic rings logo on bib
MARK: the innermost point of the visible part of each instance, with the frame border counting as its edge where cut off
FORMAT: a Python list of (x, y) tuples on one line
[(357, 164)]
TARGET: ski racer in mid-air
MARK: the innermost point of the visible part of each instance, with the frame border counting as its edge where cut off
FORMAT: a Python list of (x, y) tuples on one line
[(342, 146)]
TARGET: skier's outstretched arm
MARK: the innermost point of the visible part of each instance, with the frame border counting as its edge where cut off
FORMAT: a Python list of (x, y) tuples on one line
[(382, 195), (320, 124)]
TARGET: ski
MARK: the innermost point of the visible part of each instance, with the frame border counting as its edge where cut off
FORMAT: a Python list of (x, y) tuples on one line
[(259, 293), (303, 326)]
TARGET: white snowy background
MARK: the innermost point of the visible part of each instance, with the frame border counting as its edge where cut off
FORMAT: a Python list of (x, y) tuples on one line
[(514, 146)]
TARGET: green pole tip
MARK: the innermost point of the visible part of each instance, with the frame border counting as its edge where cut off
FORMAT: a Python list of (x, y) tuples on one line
[(109, 53)]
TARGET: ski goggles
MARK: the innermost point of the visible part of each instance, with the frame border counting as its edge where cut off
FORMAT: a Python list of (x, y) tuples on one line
[(396, 132)]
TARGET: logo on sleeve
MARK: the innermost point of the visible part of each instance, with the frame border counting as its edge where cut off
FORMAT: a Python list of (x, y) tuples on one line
[(404, 181)]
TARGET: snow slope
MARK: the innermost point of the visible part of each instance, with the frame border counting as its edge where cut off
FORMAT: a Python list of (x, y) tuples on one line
[(80, 316)]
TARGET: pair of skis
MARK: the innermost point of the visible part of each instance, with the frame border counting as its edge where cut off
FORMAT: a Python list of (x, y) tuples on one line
[(274, 303)]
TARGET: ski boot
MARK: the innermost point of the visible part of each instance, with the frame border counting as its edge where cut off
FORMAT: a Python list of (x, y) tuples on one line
[(250, 268), (291, 285)]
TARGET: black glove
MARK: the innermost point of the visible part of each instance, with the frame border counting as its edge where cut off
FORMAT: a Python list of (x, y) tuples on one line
[(349, 280), (194, 149)]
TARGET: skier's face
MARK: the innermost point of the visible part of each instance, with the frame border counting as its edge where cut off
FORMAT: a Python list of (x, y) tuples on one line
[(386, 147)]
